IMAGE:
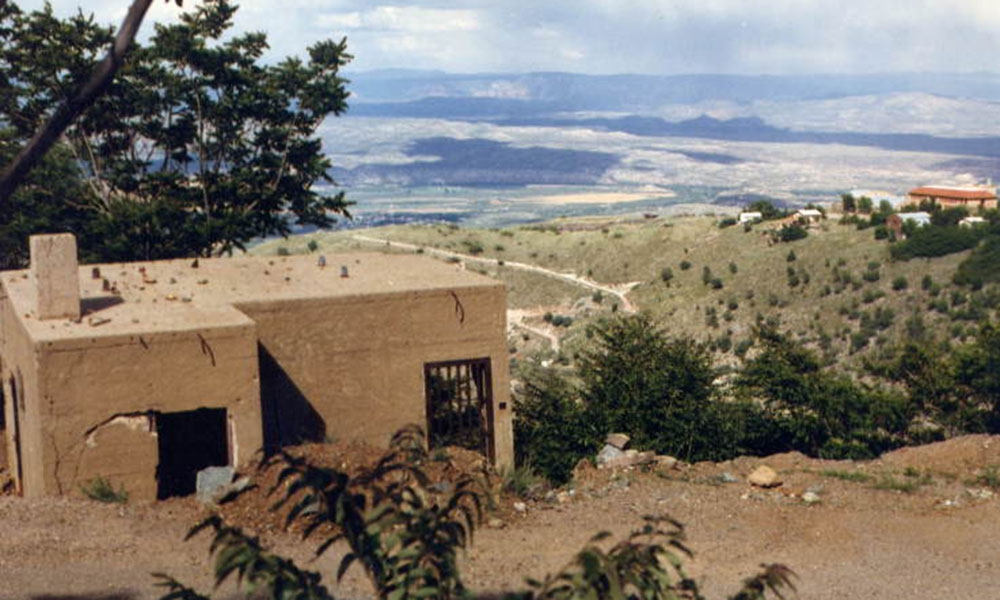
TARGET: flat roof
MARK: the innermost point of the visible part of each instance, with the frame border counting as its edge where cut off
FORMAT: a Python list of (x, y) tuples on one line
[(175, 295), (958, 193)]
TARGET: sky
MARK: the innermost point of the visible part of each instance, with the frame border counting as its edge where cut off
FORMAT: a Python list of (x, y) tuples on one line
[(621, 36)]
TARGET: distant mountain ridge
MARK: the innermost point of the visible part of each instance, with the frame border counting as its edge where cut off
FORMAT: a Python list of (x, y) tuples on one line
[(631, 93)]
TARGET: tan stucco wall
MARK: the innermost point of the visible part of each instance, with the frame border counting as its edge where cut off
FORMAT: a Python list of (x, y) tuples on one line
[(20, 365), (89, 385), (359, 360)]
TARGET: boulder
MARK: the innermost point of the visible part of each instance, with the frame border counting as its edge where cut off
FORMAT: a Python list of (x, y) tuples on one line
[(618, 440), (211, 481), (664, 461), (630, 458), (765, 477), (607, 453)]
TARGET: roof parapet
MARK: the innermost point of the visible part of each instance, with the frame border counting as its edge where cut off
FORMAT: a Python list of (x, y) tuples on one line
[(55, 276)]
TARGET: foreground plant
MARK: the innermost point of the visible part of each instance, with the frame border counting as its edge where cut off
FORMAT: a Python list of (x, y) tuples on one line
[(406, 537)]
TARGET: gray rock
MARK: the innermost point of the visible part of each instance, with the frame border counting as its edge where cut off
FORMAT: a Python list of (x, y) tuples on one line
[(810, 497), (727, 477), (607, 453), (618, 440), (520, 507), (210, 481)]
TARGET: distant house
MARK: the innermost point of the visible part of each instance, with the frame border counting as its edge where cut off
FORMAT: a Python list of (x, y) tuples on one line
[(971, 198), (895, 221), (750, 217), (808, 216), (972, 222)]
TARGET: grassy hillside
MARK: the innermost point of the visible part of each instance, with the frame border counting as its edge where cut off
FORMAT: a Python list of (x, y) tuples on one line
[(837, 289)]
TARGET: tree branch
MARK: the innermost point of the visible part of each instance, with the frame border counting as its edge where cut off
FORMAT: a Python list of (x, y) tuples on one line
[(69, 110)]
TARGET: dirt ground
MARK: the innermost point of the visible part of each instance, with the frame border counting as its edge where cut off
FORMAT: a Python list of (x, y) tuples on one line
[(918, 523)]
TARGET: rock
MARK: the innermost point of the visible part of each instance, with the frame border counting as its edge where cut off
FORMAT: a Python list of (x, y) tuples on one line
[(495, 524), (210, 481), (664, 461), (520, 507), (618, 440), (607, 453), (765, 477), (810, 497), (980, 493), (727, 477), (630, 458), (563, 497)]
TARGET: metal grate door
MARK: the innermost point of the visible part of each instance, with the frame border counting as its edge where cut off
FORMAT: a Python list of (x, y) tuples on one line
[(460, 404)]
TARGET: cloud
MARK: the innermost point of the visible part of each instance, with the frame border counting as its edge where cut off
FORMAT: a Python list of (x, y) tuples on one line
[(612, 36), (403, 18)]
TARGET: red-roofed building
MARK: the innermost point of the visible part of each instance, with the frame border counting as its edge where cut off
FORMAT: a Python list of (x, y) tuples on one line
[(947, 197)]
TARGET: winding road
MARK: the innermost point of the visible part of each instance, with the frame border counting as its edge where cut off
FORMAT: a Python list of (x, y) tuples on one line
[(619, 292)]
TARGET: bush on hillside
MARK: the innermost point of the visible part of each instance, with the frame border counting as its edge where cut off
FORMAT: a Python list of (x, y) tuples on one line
[(790, 233), (551, 429), (637, 380), (935, 241), (982, 265)]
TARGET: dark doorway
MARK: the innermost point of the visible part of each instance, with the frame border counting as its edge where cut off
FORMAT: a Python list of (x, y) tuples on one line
[(460, 404), (188, 442)]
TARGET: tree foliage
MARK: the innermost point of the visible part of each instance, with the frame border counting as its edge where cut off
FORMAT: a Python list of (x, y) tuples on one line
[(197, 147), (637, 380)]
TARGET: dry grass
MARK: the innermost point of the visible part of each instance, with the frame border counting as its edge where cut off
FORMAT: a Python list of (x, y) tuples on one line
[(618, 251)]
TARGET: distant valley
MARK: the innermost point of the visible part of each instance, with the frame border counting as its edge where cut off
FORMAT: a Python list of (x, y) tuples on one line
[(472, 149)]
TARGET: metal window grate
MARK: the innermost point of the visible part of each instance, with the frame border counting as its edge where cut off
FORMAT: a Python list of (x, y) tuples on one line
[(460, 404)]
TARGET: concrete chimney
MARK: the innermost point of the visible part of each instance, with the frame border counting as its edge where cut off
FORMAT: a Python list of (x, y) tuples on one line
[(55, 276)]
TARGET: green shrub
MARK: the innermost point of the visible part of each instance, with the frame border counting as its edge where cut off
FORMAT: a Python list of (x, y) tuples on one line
[(790, 233), (312, 246), (666, 274), (715, 283), (727, 222), (521, 480), (685, 265), (733, 268), (791, 256), (551, 429), (659, 390), (935, 241), (982, 265), (473, 246), (282, 251), (900, 283), (101, 490), (926, 283)]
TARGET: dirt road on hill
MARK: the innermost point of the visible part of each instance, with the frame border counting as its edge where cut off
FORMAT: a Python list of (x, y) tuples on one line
[(619, 292), (916, 524)]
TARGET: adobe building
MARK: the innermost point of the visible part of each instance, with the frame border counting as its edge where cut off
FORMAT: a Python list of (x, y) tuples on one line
[(145, 373), (974, 199)]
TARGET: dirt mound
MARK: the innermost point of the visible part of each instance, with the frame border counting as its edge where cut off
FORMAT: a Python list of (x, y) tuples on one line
[(963, 454), (253, 510)]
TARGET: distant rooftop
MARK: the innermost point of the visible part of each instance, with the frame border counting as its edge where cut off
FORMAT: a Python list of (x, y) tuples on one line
[(174, 295), (962, 193)]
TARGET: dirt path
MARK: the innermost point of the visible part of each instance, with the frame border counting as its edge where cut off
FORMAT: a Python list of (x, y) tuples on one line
[(938, 540), (619, 291), (515, 320)]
